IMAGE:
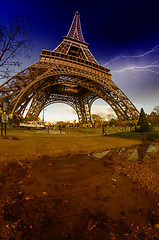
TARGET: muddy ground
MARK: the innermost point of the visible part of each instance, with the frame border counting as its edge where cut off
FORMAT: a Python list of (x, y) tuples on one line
[(78, 187)]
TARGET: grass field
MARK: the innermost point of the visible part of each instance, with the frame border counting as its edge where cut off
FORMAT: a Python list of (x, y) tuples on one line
[(149, 136), (82, 131)]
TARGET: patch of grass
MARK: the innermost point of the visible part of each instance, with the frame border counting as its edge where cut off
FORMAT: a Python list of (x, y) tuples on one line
[(149, 136)]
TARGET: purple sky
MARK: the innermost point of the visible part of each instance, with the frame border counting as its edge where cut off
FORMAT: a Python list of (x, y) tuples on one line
[(123, 36)]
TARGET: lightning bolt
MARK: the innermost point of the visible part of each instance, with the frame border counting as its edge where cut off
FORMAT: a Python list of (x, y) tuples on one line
[(142, 68), (152, 67), (153, 50)]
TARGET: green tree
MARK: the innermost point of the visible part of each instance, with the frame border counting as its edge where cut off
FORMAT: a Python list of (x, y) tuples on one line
[(112, 122), (97, 119), (143, 124), (154, 116)]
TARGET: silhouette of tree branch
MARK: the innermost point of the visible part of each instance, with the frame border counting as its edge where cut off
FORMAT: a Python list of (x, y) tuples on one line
[(15, 43)]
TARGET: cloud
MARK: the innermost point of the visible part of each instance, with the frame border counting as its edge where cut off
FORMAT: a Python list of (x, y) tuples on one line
[(103, 111), (60, 107)]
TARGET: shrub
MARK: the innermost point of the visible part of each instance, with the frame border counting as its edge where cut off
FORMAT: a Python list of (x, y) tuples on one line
[(143, 124)]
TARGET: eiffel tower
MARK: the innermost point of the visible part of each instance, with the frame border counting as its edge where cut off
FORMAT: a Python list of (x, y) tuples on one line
[(68, 74)]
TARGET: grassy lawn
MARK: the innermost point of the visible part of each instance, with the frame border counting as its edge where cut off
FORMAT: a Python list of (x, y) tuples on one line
[(150, 136), (87, 132)]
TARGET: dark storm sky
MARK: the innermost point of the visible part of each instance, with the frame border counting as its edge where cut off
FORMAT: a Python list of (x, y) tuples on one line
[(120, 33)]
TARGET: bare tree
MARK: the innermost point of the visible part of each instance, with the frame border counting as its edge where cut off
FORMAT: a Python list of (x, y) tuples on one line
[(15, 43), (156, 109)]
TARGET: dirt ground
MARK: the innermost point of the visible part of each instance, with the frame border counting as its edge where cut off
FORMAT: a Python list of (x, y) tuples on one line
[(78, 187), (53, 145)]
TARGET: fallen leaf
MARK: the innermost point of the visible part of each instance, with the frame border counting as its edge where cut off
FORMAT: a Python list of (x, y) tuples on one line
[(45, 193), (20, 163), (65, 202), (91, 225), (29, 176), (113, 179), (29, 198), (21, 182), (67, 184)]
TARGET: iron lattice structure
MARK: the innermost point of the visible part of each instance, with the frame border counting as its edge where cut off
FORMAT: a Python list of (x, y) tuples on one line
[(68, 74)]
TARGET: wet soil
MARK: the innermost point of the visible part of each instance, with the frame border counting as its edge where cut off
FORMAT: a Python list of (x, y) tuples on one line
[(84, 196)]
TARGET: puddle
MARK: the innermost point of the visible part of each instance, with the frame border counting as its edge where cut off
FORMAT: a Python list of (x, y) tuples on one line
[(135, 153), (74, 198)]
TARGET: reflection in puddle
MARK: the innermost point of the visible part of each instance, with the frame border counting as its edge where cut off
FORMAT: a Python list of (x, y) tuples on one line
[(153, 149), (134, 156), (100, 155), (135, 153)]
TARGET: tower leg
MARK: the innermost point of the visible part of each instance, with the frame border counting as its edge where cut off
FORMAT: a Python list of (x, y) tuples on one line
[(83, 111), (36, 106)]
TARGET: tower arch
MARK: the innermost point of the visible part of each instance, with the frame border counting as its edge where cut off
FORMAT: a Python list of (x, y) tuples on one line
[(57, 111)]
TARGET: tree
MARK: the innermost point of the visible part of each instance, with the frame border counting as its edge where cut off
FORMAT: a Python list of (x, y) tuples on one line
[(143, 122), (112, 122), (97, 119), (110, 116), (15, 42), (154, 116)]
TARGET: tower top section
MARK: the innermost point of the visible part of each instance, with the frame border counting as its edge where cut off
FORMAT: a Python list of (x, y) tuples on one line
[(73, 46), (75, 30)]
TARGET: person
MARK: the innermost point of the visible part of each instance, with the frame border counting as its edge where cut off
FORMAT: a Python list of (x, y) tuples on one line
[(103, 130), (60, 128)]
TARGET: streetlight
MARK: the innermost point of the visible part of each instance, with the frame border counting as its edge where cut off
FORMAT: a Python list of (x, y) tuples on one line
[(43, 115)]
